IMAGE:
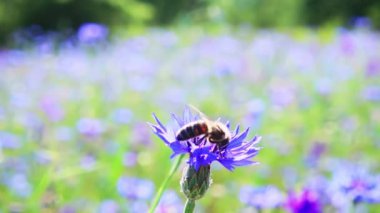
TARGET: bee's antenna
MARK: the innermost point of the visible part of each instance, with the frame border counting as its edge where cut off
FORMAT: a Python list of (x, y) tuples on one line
[(197, 110)]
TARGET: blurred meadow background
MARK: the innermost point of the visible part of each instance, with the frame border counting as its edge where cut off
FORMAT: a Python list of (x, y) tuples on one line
[(80, 79)]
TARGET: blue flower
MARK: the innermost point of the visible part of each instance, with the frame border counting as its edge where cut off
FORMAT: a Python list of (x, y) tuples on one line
[(371, 93), (264, 197), (92, 32), (108, 206), (9, 140), (170, 202), (134, 188), (52, 108), (20, 185), (90, 127), (305, 202), (201, 152), (353, 184)]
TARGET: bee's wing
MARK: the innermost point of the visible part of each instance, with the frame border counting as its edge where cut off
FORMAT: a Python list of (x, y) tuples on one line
[(203, 116)]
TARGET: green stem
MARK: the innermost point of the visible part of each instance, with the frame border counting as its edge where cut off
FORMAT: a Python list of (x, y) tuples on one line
[(189, 206), (162, 188)]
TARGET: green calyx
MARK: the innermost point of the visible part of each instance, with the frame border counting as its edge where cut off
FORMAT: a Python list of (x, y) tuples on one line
[(195, 183)]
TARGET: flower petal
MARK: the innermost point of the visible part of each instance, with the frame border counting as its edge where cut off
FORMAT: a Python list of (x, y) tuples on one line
[(178, 120), (236, 141), (159, 122)]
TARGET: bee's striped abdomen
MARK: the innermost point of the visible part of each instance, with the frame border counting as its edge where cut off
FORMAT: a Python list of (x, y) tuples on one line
[(192, 130)]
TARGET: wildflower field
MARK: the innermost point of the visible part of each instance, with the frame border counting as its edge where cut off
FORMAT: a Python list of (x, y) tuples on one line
[(74, 132)]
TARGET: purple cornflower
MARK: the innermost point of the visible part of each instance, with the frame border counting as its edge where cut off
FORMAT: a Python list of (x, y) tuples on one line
[(354, 185), (373, 67), (9, 140), (67, 209), (137, 206), (52, 108), (135, 188), (130, 159), (141, 136), (170, 203), (88, 162), (108, 206), (319, 184), (324, 86), (265, 197), (202, 153), (122, 116), (92, 32), (20, 185), (371, 93), (306, 202), (362, 22), (90, 127), (315, 153)]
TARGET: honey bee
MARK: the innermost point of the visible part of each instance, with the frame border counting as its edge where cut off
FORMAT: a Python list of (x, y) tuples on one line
[(216, 132)]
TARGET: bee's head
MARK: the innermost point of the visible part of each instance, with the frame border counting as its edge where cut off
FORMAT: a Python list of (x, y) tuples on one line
[(219, 132)]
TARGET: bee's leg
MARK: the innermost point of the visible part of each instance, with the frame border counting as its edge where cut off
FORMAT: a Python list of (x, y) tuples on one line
[(214, 148), (219, 150), (222, 149), (201, 139)]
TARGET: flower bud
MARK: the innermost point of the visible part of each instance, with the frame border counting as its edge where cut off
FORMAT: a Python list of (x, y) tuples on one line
[(194, 182)]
